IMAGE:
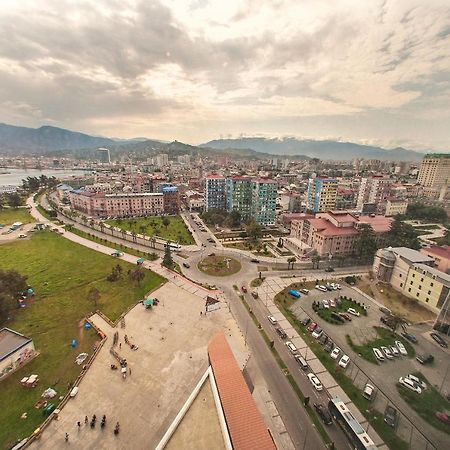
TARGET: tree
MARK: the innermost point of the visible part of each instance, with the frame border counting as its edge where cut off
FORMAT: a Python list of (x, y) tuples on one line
[(426, 212), (291, 262), (137, 275), (402, 234), (11, 284), (167, 260), (315, 261), (366, 245), (14, 200), (253, 230), (234, 219), (166, 221), (94, 296)]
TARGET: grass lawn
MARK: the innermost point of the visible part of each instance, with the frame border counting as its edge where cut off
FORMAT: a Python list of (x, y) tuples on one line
[(61, 273), (10, 215), (257, 282), (386, 337), (374, 417), (427, 403), (176, 231), (250, 246), (344, 305), (220, 266)]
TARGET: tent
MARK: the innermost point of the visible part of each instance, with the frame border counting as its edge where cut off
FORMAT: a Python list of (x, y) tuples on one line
[(148, 302), (140, 261)]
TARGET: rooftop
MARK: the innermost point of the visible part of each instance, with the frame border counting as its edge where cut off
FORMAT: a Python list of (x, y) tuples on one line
[(411, 255), (444, 278), (245, 424), (11, 341), (442, 251)]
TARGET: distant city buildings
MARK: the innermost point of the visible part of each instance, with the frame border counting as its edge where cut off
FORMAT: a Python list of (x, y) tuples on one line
[(374, 190), (322, 194), (395, 206), (104, 155), (435, 170)]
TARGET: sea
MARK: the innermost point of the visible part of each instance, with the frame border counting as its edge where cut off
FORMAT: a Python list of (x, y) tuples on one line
[(14, 177)]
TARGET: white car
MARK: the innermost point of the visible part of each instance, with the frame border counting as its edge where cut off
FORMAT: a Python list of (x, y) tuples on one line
[(378, 354), (394, 350), (401, 348), (344, 361), (22, 236), (387, 352), (326, 305), (272, 320), (332, 303), (410, 384), (418, 381), (315, 381), (321, 288), (353, 312), (317, 333), (292, 348), (335, 353), (338, 286)]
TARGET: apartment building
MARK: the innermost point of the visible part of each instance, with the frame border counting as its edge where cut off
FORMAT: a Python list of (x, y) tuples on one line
[(239, 196), (322, 194), (333, 233), (374, 190), (264, 199), (412, 273), (396, 206), (126, 204), (345, 198), (435, 170), (171, 200), (215, 192)]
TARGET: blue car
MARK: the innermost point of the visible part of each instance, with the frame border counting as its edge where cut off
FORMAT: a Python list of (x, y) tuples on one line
[(294, 293)]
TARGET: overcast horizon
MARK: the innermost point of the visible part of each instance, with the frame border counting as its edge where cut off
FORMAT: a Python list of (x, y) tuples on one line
[(375, 73)]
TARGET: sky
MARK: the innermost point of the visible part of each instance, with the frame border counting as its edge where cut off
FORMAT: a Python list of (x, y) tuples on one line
[(373, 71)]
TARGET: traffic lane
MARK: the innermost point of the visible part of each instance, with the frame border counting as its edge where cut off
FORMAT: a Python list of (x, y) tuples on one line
[(299, 375), (294, 416)]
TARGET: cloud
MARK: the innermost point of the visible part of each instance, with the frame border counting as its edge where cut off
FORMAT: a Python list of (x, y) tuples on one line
[(187, 69)]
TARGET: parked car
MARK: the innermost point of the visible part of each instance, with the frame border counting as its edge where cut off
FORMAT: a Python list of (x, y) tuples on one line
[(185, 264), (329, 269), (390, 416), (401, 348), (244, 289), (323, 339), (386, 352), (321, 288), (394, 350), (315, 382), (337, 317), (306, 321), (335, 352), (304, 291), (254, 260), (281, 333), (317, 333), (346, 316), (323, 413), (443, 417), (329, 346), (368, 392), (378, 354), (326, 305), (22, 236), (418, 381), (425, 359), (312, 326), (438, 338), (292, 348), (353, 312), (385, 310), (294, 293), (272, 320), (302, 362), (344, 361), (406, 382), (332, 303), (410, 337)]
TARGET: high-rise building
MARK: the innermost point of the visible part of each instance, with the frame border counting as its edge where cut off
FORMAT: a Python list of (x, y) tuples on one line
[(104, 156), (162, 160), (264, 201), (239, 196), (321, 195), (215, 192), (374, 190), (435, 170)]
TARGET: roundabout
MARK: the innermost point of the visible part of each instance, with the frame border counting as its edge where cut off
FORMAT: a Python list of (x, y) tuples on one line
[(219, 265)]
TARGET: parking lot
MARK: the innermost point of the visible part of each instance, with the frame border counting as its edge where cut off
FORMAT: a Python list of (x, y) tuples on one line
[(385, 375)]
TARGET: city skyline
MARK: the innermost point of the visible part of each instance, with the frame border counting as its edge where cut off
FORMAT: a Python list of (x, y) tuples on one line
[(193, 71)]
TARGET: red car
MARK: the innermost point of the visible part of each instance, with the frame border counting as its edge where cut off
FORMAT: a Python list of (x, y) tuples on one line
[(443, 417), (312, 326), (244, 289)]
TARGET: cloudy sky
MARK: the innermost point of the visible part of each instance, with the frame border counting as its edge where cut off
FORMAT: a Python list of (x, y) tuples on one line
[(367, 71)]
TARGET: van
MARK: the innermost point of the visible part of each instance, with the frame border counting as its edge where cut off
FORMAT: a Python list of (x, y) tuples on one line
[(292, 348), (302, 362), (378, 354)]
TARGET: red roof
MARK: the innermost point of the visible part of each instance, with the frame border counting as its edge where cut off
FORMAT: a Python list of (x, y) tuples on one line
[(326, 228), (215, 176), (380, 224), (245, 424), (443, 251)]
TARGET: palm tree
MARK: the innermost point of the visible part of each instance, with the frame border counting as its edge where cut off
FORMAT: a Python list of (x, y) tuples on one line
[(102, 227), (123, 233)]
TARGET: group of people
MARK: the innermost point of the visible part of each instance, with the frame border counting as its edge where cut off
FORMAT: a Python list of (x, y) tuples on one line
[(93, 423)]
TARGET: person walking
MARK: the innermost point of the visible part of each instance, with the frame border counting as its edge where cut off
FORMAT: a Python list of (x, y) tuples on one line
[(120, 345), (86, 420), (79, 425), (129, 368), (67, 437)]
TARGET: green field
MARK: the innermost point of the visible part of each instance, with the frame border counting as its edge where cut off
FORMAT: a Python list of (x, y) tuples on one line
[(10, 215), (61, 273), (175, 231), (220, 266)]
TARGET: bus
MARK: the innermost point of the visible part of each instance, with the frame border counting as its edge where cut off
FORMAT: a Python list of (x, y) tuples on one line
[(352, 428), (173, 245)]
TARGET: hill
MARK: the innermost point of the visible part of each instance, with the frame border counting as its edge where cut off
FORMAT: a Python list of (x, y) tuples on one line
[(315, 149)]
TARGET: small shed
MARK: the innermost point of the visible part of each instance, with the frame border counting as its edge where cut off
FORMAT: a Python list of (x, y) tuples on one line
[(15, 350), (212, 304)]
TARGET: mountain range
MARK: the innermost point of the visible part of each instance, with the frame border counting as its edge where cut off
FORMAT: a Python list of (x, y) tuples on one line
[(49, 139)]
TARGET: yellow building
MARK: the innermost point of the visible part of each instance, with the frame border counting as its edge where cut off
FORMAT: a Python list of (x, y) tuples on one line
[(412, 273), (435, 170), (396, 206)]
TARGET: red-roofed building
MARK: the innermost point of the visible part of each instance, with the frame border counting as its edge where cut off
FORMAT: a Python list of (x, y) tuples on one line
[(441, 256), (245, 423), (335, 232)]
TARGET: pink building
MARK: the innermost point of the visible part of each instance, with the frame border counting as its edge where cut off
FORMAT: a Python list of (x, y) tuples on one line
[(117, 205), (441, 256), (334, 232)]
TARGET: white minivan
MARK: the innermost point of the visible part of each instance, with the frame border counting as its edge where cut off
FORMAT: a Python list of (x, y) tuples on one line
[(378, 354), (292, 348)]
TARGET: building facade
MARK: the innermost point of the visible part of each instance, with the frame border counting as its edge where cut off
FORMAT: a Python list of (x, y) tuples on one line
[(412, 273), (264, 201), (171, 200), (396, 206), (215, 192), (374, 191), (441, 256), (239, 196), (322, 194), (335, 233), (435, 170)]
